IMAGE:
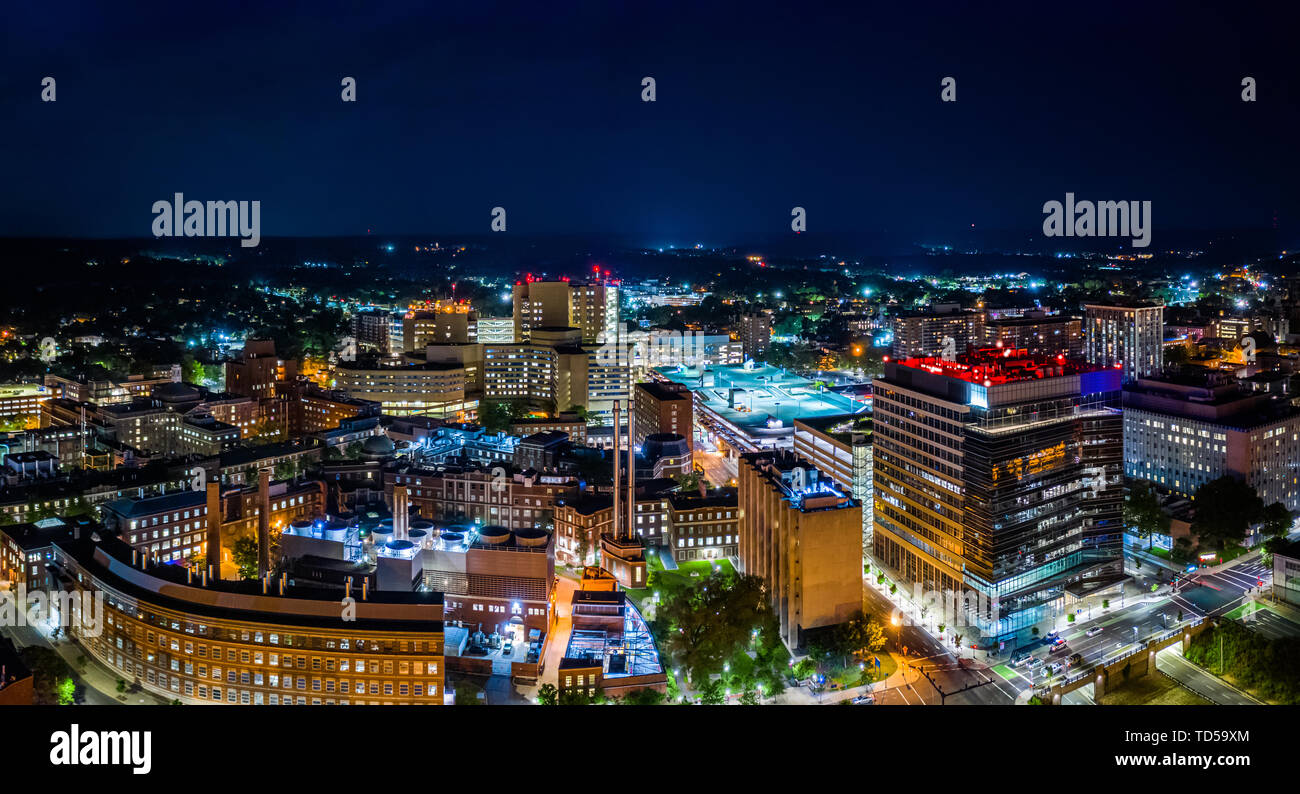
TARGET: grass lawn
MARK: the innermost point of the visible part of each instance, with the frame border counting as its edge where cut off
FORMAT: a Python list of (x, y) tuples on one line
[(1232, 553), (852, 676), (1159, 552), (1153, 689), (691, 571)]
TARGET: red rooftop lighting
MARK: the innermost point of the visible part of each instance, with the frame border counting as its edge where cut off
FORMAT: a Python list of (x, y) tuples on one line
[(993, 366)]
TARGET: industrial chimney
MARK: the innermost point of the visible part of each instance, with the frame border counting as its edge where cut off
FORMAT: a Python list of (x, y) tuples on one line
[(631, 471), (401, 512), (263, 522), (613, 525), (214, 529)]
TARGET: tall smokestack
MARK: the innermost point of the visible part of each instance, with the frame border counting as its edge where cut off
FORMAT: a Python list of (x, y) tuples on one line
[(631, 470), (263, 522), (214, 529), (401, 512), (613, 525)]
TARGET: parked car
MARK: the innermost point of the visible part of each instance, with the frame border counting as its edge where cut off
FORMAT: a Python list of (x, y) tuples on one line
[(863, 700), (508, 649)]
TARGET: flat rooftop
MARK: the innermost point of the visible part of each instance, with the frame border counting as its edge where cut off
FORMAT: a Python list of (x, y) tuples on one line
[(762, 400), (997, 366)]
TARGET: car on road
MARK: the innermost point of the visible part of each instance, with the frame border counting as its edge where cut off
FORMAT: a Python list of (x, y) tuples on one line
[(508, 649), (1053, 668), (1034, 661), (1020, 657), (1094, 631), (863, 700), (1061, 648), (1058, 642)]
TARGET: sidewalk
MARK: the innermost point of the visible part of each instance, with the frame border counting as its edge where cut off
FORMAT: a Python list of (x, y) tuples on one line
[(1148, 558), (803, 696), (99, 681), (99, 677)]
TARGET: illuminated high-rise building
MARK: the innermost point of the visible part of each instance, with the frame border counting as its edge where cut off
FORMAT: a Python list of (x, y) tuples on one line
[(1127, 336), (591, 307), (997, 476)]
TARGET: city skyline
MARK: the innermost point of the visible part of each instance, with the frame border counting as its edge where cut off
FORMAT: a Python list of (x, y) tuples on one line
[(697, 353)]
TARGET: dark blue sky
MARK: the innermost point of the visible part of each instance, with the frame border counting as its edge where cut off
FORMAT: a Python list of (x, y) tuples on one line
[(536, 107)]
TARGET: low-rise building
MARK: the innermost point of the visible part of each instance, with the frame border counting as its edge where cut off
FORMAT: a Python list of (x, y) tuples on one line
[(703, 526)]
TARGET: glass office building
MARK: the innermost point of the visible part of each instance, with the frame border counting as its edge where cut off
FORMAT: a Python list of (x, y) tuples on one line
[(998, 477)]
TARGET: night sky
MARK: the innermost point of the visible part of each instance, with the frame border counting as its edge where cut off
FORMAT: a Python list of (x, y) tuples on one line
[(536, 107)]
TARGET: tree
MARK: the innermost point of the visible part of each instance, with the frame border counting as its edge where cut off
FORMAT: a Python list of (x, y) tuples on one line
[(285, 470), (244, 555), (1277, 520), (689, 481), (1224, 510), (51, 676), (1177, 355), (705, 626), (804, 668), (580, 411), (548, 695), (713, 694), (1142, 511), (750, 698), (858, 633), (643, 697), (494, 416), (577, 697)]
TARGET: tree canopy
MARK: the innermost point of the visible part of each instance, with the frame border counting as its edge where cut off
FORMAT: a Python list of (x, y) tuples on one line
[(1142, 510), (705, 626), (1225, 510)]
